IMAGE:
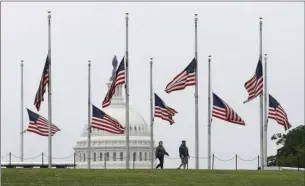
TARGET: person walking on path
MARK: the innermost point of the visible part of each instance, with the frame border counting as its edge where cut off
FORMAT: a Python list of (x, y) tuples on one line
[(184, 154), (160, 152)]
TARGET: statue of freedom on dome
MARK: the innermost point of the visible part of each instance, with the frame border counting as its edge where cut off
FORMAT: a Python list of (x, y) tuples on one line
[(115, 65)]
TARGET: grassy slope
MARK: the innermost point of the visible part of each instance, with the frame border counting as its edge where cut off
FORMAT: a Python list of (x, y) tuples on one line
[(71, 177)]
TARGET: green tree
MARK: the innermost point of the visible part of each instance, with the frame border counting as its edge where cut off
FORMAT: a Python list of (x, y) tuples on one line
[(292, 150)]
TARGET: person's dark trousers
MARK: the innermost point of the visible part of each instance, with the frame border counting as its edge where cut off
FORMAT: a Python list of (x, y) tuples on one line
[(161, 159)]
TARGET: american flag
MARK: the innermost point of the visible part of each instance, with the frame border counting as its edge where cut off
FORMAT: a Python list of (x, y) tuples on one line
[(184, 79), (223, 111), (163, 111), (255, 85), (102, 121), (40, 125), (119, 79), (42, 85), (277, 113)]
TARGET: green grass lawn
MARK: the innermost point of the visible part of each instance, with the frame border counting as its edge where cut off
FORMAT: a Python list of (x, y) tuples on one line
[(73, 177)]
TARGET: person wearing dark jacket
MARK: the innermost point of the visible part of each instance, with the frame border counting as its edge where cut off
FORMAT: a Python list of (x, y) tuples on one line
[(160, 152), (184, 154)]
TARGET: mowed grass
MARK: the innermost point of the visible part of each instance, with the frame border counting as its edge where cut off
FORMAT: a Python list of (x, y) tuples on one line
[(73, 177)]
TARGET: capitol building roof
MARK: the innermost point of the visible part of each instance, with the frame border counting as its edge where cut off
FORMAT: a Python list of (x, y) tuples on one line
[(109, 150)]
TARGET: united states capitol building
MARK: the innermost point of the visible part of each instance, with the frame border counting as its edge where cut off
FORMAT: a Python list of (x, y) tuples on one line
[(109, 150)]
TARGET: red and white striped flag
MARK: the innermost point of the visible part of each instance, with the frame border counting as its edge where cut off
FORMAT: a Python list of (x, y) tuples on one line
[(119, 79), (40, 125), (183, 79), (277, 113), (163, 111), (223, 111), (102, 121), (42, 85), (255, 85)]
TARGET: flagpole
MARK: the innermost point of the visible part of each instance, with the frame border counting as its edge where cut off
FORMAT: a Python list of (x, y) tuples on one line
[(266, 114), (21, 115), (89, 114), (50, 95), (261, 103), (127, 97), (0, 116), (196, 99), (209, 114), (151, 115)]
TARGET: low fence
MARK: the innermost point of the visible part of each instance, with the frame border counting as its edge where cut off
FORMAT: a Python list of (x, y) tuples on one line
[(107, 158), (36, 165)]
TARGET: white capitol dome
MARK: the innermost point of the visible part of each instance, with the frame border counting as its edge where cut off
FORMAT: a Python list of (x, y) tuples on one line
[(104, 143)]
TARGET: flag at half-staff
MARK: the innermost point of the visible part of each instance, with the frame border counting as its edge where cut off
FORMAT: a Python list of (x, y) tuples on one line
[(102, 121), (255, 85), (223, 111), (163, 111), (119, 79), (42, 85), (39, 125), (277, 113), (183, 79)]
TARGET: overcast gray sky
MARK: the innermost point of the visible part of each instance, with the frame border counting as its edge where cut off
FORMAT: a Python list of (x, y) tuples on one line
[(96, 31)]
